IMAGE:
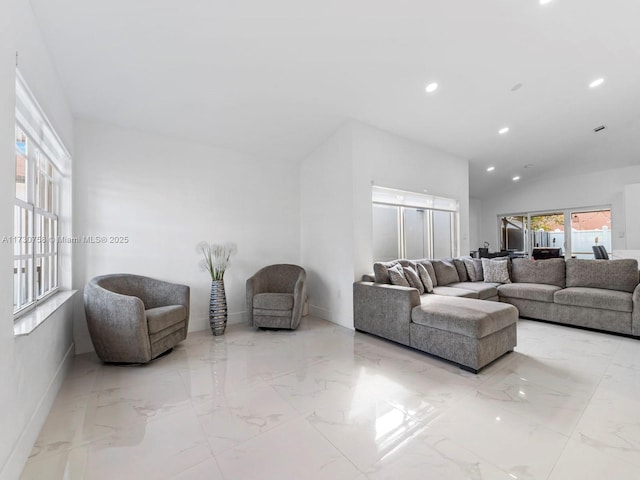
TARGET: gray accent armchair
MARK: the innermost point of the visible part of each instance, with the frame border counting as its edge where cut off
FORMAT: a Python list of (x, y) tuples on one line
[(134, 319), (276, 296)]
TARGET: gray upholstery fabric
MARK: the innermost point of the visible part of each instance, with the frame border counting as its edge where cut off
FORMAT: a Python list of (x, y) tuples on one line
[(396, 275), (460, 267), (273, 301), (474, 269), (289, 283), (549, 272), (496, 270), (432, 272), (635, 316), (414, 280), (595, 298), (426, 279), (448, 291), (608, 320), (620, 274), (472, 353), (446, 272), (408, 263), (133, 319), (367, 277), (466, 316), (533, 308), (160, 318), (381, 271), (470, 332), (384, 310), (529, 291), (484, 290)]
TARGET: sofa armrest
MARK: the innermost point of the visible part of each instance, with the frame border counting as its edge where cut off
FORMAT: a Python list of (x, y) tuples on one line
[(117, 325), (384, 310), (299, 297), (635, 315)]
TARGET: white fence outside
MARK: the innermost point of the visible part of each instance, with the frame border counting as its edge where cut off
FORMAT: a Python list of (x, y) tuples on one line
[(581, 241)]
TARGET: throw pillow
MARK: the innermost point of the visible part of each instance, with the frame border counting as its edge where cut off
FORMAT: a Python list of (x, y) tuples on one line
[(381, 271), (430, 270), (495, 271), (396, 274), (474, 269), (426, 278), (461, 268), (446, 272), (414, 280)]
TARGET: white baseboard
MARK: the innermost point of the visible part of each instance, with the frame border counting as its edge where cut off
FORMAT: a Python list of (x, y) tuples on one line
[(20, 453), (322, 313)]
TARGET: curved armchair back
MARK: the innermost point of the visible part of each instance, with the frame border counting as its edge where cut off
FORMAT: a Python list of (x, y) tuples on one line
[(133, 319), (276, 279)]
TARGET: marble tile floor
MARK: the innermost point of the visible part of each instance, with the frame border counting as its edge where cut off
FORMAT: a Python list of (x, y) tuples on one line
[(324, 402)]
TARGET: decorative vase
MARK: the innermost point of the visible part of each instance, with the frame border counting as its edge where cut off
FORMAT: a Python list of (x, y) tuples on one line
[(218, 308)]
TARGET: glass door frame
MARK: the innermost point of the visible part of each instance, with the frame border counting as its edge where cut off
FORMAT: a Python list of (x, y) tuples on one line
[(567, 212)]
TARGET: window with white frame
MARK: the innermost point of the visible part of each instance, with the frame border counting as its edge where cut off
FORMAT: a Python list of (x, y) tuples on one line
[(39, 157), (413, 225)]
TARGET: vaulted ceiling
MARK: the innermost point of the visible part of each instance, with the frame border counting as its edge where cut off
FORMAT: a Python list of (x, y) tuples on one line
[(276, 77)]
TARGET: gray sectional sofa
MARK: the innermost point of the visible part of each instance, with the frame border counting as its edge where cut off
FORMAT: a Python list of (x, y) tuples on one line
[(473, 322), (598, 294)]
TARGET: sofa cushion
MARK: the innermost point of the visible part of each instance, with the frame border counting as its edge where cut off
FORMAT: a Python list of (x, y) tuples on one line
[(462, 270), (474, 269), (430, 270), (447, 291), (496, 271), (396, 275), (414, 280), (446, 271), (484, 290), (528, 291), (381, 271), (425, 278), (273, 301), (620, 274), (548, 272), (160, 318), (465, 316), (595, 298)]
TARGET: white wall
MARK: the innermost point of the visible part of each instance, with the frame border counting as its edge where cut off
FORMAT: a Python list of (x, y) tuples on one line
[(632, 207), (31, 367), (336, 179), (166, 196), (576, 190), (384, 159), (327, 227), (475, 221)]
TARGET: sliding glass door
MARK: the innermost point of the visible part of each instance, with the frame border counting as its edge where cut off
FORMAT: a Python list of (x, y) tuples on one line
[(589, 229), (522, 233)]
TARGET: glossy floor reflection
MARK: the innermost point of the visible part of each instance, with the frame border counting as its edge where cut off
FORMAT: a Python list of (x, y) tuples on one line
[(324, 402)]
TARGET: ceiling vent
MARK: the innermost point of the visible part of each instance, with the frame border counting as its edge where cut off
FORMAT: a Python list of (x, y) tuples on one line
[(599, 129)]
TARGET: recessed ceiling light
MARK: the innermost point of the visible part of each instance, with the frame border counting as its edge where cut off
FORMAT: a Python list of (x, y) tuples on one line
[(596, 83), (544, 2), (516, 178), (491, 169), (432, 87), (503, 130)]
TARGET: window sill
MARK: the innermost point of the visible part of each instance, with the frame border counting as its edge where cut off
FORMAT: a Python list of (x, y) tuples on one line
[(32, 320)]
